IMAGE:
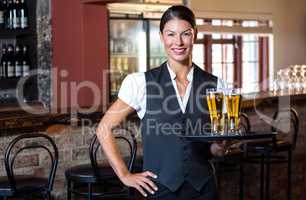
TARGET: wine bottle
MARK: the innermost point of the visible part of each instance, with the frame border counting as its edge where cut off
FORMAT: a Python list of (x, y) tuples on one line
[(5, 13), (25, 62), (23, 14), (2, 11), (18, 61), (16, 14), (3, 64), (9, 15), (10, 62)]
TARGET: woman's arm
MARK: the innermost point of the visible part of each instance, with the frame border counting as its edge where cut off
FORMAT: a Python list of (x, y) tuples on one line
[(116, 114)]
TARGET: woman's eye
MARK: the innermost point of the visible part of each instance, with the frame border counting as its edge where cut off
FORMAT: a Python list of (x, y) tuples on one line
[(170, 34), (187, 34)]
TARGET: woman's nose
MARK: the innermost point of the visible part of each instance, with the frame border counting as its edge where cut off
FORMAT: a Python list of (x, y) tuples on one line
[(178, 40)]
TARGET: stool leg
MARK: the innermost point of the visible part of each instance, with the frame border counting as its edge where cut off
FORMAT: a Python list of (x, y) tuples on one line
[(89, 191), (68, 190), (262, 170), (241, 179), (289, 173), (48, 195), (268, 176)]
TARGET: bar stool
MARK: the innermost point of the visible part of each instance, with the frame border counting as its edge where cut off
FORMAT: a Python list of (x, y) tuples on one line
[(28, 186), (235, 155), (266, 154), (96, 181)]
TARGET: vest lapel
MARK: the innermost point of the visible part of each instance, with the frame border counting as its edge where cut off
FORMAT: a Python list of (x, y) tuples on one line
[(169, 91)]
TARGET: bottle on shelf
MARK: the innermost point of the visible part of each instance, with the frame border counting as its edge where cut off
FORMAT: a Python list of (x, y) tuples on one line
[(3, 66), (18, 61), (10, 68), (9, 15), (2, 12), (16, 16), (25, 61), (23, 14), (13, 14), (125, 64)]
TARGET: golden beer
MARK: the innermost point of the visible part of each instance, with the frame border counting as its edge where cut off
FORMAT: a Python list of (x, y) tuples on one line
[(215, 106), (233, 102)]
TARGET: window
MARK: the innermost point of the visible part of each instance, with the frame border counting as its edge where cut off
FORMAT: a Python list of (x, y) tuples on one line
[(233, 51)]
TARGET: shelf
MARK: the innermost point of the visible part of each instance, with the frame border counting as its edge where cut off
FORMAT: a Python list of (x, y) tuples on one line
[(160, 56), (103, 1), (124, 55), (14, 33), (10, 83)]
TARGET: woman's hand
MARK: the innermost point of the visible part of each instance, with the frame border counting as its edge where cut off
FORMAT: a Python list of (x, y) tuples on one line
[(140, 181), (218, 149)]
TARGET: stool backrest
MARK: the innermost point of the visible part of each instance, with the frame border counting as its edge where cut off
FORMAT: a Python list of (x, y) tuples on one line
[(20, 144), (286, 123), (129, 139)]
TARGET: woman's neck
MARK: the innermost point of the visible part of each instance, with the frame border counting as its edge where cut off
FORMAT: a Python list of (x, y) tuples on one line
[(180, 69)]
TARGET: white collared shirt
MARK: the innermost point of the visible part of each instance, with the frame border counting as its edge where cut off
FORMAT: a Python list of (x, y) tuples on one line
[(133, 90)]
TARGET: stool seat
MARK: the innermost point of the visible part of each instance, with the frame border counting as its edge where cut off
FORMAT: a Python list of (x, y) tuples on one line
[(5, 189), (24, 184), (85, 173)]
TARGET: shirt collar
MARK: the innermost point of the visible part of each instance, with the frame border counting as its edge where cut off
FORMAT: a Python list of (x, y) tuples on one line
[(173, 75)]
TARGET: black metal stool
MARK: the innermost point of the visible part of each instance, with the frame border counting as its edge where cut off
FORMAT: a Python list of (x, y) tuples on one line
[(266, 154), (28, 186), (235, 156), (93, 180)]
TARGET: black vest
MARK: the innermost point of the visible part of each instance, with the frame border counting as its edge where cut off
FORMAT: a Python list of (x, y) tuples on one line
[(173, 158)]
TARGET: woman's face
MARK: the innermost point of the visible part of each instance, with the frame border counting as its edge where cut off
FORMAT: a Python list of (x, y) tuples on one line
[(178, 37)]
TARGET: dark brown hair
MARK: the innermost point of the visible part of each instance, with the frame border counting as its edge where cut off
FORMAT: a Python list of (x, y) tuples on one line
[(180, 12)]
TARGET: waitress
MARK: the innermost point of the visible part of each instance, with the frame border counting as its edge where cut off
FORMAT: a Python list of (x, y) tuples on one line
[(169, 101)]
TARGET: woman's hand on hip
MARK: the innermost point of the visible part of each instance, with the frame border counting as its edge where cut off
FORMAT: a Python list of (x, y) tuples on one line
[(140, 181)]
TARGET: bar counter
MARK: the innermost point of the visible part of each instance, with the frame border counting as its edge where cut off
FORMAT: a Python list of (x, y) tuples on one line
[(14, 118)]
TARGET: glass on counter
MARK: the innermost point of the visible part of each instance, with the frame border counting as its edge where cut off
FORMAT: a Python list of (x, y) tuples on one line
[(290, 80)]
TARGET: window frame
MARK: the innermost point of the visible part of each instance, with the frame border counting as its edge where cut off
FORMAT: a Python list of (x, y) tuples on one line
[(263, 56)]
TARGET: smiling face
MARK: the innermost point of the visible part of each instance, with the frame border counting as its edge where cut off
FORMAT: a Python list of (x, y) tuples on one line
[(178, 37)]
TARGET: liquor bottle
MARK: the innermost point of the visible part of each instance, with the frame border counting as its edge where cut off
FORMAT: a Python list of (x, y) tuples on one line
[(3, 65), (23, 14), (25, 62), (2, 11), (5, 13), (125, 64), (10, 62), (16, 14), (9, 14), (18, 61)]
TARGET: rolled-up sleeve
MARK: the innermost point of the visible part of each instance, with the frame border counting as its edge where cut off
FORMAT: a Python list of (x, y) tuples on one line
[(132, 90)]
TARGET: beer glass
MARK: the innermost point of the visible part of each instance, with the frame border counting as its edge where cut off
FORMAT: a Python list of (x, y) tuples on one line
[(233, 102), (215, 101)]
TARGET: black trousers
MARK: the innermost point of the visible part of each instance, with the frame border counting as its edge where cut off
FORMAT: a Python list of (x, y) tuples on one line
[(186, 192)]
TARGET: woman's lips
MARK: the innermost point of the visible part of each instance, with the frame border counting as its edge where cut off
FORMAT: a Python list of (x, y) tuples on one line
[(179, 51)]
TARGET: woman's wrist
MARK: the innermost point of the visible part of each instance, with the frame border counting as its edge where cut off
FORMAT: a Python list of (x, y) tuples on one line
[(123, 173)]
